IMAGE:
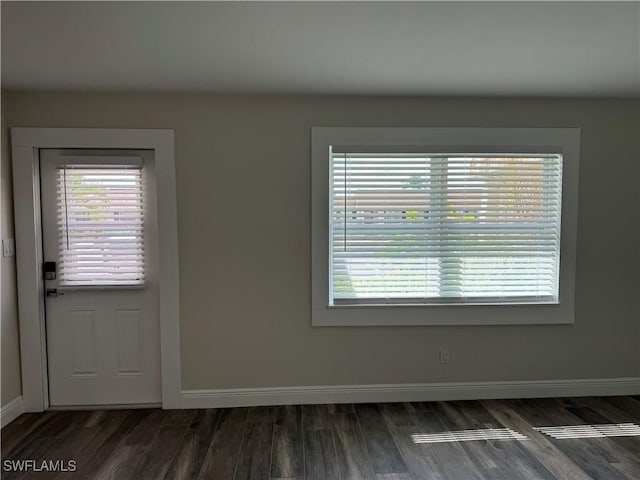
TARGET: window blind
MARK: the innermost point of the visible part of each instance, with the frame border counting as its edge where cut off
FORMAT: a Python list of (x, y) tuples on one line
[(100, 225), (444, 228)]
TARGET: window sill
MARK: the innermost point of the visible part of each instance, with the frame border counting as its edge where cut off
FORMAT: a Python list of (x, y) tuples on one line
[(442, 315)]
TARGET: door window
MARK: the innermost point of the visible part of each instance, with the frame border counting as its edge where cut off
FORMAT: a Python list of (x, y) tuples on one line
[(100, 225)]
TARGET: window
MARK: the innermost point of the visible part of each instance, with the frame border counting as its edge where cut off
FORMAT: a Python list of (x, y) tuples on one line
[(428, 227), (443, 226), (100, 225)]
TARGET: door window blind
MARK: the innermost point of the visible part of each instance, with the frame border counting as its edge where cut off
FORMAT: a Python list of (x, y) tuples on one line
[(435, 228), (100, 225)]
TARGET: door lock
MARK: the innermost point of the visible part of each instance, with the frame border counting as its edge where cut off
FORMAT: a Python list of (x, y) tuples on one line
[(53, 292), (49, 270)]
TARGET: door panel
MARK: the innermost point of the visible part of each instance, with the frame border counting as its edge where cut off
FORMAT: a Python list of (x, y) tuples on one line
[(130, 341), (103, 335), (82, 330)]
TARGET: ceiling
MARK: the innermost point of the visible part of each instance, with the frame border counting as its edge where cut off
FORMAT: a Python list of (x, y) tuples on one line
[(365, 48)]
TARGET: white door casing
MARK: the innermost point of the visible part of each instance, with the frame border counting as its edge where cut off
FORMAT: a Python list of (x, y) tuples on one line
[(26, 144), (103, 340)]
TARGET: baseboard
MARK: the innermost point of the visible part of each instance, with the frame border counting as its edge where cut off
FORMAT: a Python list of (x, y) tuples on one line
[(11, 411), (408, 392), (111, 406)]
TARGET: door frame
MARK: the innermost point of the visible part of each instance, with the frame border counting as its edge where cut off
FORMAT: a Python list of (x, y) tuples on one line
[(26, 143)]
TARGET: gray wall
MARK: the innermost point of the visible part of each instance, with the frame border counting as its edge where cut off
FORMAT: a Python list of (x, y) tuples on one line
[(243, 181), (11, 386)]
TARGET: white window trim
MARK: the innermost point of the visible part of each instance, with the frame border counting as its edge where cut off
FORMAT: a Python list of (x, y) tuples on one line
[(26, 143), (523, 140)]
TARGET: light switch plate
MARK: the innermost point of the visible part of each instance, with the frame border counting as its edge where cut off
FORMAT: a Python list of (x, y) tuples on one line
[(8, 247)]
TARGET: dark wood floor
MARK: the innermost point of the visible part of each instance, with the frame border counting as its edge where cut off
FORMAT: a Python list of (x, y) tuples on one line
[(393, 441)]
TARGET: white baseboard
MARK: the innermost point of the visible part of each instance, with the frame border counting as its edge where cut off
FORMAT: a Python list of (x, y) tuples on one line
[(408, 392), (11, 411), (110, 406)]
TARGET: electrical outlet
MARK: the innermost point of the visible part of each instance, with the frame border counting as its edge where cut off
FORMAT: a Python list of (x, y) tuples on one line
[(444, 357), (8, 247)]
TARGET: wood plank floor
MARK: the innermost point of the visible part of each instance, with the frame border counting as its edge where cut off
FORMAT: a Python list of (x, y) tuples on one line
[(464, 440)]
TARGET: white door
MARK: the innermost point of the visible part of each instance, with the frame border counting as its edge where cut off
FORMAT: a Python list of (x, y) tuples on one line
[(102, 322)]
